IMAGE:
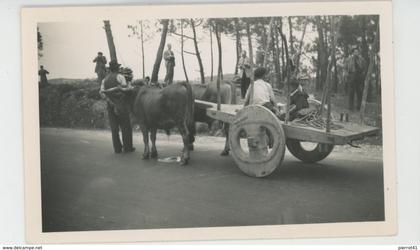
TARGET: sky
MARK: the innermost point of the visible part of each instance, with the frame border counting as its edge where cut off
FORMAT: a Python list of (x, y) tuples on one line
[(70, 47)]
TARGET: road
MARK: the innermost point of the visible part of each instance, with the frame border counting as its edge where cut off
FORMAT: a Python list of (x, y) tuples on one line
[(85, 186)]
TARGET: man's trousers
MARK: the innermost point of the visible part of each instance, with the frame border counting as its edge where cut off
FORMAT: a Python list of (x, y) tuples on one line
[(355, 85), (120, 121), (169, 73), (245, 81)]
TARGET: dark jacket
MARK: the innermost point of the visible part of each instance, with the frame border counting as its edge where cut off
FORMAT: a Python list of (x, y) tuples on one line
[(100, 64)]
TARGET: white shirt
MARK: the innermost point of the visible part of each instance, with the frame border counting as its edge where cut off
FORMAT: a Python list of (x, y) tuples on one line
[(263, 93), (120, 79)]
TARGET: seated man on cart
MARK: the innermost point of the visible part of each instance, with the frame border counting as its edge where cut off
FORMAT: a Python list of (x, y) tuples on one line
[(298, 100), (263, 95)]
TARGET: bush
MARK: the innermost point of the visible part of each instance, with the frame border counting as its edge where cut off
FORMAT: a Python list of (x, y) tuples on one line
[(73, 104), (77, 104)]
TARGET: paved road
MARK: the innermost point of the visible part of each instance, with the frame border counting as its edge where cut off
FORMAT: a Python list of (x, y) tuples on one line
[(87, 187)]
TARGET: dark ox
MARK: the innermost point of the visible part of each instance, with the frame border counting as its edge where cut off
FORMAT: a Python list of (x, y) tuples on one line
[(208, 92), (154, 108)]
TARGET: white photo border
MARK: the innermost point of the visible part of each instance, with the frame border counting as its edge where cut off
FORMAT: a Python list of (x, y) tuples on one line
[(30, 17)]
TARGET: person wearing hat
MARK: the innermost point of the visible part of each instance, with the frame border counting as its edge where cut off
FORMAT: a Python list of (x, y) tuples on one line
[(112, 88), (245, 72), (170, 64), (355, 72), (100, 68), (263, 93)]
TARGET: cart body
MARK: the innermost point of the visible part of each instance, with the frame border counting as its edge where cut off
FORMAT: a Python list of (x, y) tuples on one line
[(347, 133), (256, 123)]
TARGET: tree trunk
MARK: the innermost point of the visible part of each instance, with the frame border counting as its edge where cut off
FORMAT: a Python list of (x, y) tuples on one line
[(197, 51), (219, 71), (372, 55), (39, 42), (346, 46), (322, 60), (283, 63), (142, 47), (365, 46), (251, 60), (291, 44), (276, 55), (268, 43), (378, 78), (365, 49), (238, 44), (326, 98), (159, 54), (250, 52), (335, 76), (110, 39), (365, 91), (318, 85), (301, 46), (261, 44), (211, 53), (182, 51), (283, 38)]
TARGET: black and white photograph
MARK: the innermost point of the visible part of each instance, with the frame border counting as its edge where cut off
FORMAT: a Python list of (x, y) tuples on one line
[(215, 121)]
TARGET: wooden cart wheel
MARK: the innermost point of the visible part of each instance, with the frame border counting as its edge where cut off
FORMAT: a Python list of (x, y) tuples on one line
[(320, 152), (257, 141)]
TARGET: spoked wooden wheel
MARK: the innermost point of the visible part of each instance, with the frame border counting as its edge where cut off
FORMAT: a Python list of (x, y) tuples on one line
[(315, 154), (257, 141)]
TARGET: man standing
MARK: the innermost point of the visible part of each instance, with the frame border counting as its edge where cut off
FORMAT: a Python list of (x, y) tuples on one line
[(355, 77), (43, 76), (169, 57), (100, 68), (245, 72), (112, 89)]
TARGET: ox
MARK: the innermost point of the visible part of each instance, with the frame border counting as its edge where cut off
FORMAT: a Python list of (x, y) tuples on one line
[(208, 92), (154, 108)]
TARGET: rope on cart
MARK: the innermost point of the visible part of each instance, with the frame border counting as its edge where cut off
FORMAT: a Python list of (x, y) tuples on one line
[(314, 119)]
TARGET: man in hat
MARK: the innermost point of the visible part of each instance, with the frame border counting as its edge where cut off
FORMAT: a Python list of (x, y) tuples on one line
[(100, 68), (113, 87), (170, 64), (355, 71), (245, 72), (43, 76)]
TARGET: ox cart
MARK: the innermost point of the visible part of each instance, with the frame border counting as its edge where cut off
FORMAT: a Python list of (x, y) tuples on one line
[(258, 139)]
